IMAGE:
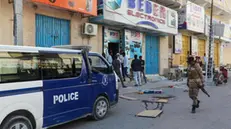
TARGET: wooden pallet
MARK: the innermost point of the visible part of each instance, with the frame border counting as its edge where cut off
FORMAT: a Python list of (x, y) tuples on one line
[(150, 113)]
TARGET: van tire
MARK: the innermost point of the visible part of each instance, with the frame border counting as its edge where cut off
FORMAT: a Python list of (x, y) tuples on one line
[(102, 104), (14, 120)]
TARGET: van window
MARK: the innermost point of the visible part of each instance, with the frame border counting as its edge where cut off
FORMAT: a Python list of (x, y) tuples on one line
[(98, 64), (56, 66), (17, 66)]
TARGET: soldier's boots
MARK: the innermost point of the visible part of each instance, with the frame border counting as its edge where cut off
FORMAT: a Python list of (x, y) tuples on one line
[(198, 103), (194, 108)]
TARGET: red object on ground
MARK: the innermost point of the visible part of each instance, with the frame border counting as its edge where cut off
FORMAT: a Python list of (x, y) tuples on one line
[(170, 86), (224, 72)]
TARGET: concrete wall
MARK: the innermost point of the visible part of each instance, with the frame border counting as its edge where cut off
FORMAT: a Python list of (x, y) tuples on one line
[(226, 57), (226, 54), (163, 54), (6, 28), (6, 23), (0, 20), (144, 47)]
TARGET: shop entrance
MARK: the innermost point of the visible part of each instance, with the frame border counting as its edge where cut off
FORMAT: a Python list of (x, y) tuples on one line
[(51, 31), (152, 54), (201, 48), (186, 48), (114, 48)]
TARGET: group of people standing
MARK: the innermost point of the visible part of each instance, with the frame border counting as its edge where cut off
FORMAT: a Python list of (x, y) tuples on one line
[(121, 65), (137, 66)]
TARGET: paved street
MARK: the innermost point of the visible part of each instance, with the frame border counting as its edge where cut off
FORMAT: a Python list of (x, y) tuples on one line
[(214, 113)]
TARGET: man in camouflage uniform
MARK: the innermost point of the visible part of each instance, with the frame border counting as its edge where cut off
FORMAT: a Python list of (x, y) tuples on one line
[(195, 82)]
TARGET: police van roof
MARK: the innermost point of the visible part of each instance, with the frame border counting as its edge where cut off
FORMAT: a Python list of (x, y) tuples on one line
[(73, 47), (12, 48)]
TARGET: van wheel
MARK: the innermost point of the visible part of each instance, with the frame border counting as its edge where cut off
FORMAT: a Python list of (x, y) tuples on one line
[(17, 122), (100, 109)]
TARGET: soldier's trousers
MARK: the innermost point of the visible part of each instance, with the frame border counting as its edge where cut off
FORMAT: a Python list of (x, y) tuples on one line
[(193, 93), (118, 72)]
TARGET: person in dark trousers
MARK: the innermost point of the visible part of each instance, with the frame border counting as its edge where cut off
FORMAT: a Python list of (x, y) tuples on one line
[(142, 69), (136, 68), (121, 58), (198, 60), (117, 67)]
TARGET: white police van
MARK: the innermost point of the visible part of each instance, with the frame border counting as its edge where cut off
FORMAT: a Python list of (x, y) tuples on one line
[(45, 87)]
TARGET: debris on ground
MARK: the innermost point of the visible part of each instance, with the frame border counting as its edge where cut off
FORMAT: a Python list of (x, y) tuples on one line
[(186, 90), (150, 91), (128, 98), (150, 113)]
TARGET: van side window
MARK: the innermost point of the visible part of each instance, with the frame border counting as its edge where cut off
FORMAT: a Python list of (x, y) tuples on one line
[(98, 64), (56, 66), (18, 67)]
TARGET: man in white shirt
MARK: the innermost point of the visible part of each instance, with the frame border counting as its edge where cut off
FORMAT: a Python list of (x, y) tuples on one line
[(205, 58), (125, 66), (109, 58), (205, 61), (121, 58)]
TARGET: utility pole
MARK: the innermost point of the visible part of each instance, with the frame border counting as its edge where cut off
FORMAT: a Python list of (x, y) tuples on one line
[(209, 67), (18, 22)]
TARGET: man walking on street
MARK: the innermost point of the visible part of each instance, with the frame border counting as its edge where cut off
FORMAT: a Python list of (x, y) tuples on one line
[(121, 58), (117, 67), (142, 69), (136, 68), (125, 65)]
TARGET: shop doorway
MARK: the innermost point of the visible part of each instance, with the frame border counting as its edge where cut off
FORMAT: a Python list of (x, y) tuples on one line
[(51, 31), (186, 50), (152, 54), (114, 47)]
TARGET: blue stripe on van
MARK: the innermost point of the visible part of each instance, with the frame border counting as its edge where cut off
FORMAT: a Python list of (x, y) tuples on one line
[(20, 91)]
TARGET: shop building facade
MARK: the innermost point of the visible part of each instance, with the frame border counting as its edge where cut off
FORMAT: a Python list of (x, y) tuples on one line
[(47, 24), (190, 39), (143, 28), (221, 23), (193, 36)]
